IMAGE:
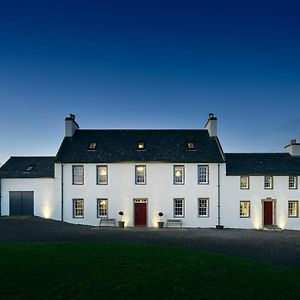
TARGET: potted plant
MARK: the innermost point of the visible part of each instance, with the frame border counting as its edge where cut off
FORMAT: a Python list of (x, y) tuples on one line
[(121, 223), (160, 223)]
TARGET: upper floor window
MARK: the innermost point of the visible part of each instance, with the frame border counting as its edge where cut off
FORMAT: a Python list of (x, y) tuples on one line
[(203, 174), (78, 208), (178, 208), (140, 174), (102, 175), (202, 207), (78, 175), (293, 182), (178, 174), (141, 146), (102, 208), (244, 182), (92, 146), (293, 209), (244, 209), (190, 145), (268, 182)]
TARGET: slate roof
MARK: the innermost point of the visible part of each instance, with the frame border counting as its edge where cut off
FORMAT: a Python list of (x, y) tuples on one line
[(262, 164), (161, 145), (43, 167)]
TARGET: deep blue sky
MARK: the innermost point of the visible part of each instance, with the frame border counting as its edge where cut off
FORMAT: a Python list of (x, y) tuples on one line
[(149, 64)]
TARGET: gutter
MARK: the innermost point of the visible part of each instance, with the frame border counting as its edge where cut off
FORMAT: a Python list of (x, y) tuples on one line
[(219, 226), (62, 192)]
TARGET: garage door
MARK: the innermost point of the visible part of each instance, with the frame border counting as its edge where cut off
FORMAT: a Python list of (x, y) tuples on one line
[(21, 203)]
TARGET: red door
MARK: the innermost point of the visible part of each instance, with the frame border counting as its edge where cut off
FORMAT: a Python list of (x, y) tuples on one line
[(140, 213), (268, 213)]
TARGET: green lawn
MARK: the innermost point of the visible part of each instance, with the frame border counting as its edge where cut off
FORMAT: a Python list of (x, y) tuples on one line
[(102, 271)]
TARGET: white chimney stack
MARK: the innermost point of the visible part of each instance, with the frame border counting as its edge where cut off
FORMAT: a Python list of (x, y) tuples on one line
[(293, 148), (211, 125), (70, 125)]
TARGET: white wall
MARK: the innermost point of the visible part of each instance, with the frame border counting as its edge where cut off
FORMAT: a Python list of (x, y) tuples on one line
[(46, 205), (159, 190)]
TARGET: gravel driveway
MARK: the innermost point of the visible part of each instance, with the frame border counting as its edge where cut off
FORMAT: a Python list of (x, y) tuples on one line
[(276, 247)]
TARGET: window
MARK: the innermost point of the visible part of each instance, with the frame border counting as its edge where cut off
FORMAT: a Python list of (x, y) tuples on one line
[(244, 209), (202, 174), (190, 145), (293, 182), (92, 146), (178, 208), (178, 175), (140, 174), (29, 168), (102, 175), (244, 182), (141, 146), (102, 208), (293, 209), (77, 208), (202, 207), (268, 182), (78, 175)]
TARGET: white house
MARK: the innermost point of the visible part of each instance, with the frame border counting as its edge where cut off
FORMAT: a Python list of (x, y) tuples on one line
[(182, 173)]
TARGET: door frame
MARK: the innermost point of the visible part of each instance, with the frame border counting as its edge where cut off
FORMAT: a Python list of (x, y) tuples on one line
[(274, 202), (140, 200)]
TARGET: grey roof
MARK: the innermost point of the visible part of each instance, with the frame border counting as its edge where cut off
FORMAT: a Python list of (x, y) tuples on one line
[(15, 167), (262, 164), (161, 145)]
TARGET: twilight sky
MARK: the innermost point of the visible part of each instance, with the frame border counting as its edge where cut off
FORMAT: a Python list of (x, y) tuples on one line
[(149, 64)]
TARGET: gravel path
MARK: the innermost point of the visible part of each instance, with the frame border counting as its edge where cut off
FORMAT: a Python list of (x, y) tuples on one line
[(276, 247)]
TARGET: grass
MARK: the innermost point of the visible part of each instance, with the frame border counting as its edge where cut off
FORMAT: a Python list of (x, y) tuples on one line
[(106, 271)]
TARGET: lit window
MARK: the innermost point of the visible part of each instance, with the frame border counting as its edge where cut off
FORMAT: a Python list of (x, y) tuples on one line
[(268, 182), (29, 168), (78, 175), (244, 182), (102, 208), (92, 146), (202, 207), (191, 145), (141, 146), (245, 209), (102, 175), (202, 174), (77, 208), (178, 175), (293, 209), (293, 182), (140, 174), (179, 208)]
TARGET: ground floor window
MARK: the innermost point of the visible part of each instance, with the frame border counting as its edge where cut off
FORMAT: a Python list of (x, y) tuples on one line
[(101, 208), (78, 208), (245, 209), (293, 209), (178, 207), (202, 207)]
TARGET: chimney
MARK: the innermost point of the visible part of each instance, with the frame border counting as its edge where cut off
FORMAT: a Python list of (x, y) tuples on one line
[(293, 148), (211, 125), (70, 125)]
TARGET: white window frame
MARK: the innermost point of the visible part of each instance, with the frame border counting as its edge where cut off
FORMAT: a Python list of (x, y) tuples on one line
[(100, 176), (290, 208), (140, 178), (76, 209), (248, 209), (102, 212), (293, 182), (271, 183), (176, 207), (203, 205), (203, 175), (246, 185), (181, 178), (78, 179)]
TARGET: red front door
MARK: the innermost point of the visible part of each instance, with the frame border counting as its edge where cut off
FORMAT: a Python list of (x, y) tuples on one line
[(140, 213), (268, 213)]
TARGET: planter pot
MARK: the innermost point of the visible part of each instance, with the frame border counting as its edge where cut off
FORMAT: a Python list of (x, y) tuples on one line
[(160, 224), (121, 224)]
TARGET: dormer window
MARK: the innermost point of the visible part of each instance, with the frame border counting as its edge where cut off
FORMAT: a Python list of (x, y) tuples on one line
[(29, 168), (92, 146), (190, 145), (141, 146)]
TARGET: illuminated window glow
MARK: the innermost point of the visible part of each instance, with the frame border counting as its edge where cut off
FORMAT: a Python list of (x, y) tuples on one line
[(178, 175), (293, 209), (102, 175), (245, 209), (102, 208), (140, 174)]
